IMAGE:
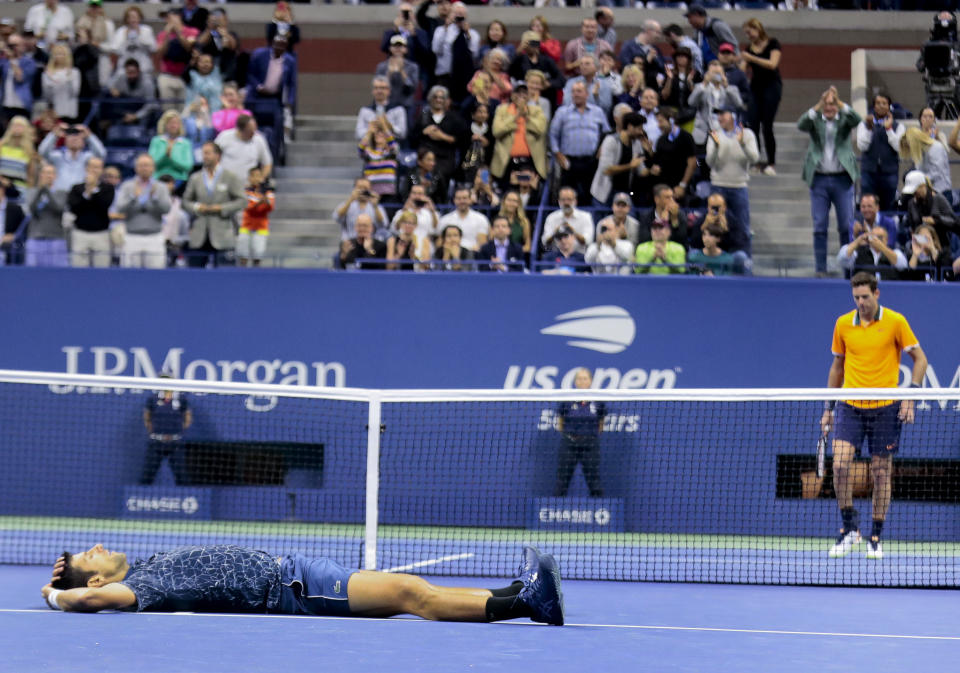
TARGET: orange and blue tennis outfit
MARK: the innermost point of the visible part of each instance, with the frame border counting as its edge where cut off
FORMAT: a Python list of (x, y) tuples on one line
[(871, 360)]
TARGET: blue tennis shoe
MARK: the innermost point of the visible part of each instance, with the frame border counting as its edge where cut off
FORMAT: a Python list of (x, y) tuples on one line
[(529, 565), (541, 592)]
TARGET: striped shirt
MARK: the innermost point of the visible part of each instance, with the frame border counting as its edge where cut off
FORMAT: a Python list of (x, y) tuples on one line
[(380, 166), (575, 133)]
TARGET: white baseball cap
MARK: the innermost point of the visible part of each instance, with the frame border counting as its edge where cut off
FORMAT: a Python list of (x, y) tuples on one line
[(913, 180)]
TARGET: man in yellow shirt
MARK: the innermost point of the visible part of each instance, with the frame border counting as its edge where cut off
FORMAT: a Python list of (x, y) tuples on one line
[(867, 343)]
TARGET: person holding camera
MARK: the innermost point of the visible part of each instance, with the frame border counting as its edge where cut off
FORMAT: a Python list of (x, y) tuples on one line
[(424, 211), (530, 57), (362, 201), (713, 93), (456, 46), (174, 47), (79, 144), (870, 252), (609, 251), (733, 235), (625, 225), (134, 40), (415, 40), (878, 139), (928, 260), (221, 43), (928, 207)]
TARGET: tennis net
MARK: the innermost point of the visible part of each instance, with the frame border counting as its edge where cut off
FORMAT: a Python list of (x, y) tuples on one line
[(692, 486)]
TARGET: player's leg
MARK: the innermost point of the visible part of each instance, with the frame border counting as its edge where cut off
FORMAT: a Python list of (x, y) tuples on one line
[(377, 594), (884, 441), (848, 434)]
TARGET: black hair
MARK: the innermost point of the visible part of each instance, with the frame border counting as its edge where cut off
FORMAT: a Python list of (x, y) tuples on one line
[(633, 119), (71, 577), (131, 61), (864, 278), (673, 29)]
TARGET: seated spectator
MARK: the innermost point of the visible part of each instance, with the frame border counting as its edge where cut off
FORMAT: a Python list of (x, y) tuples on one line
[(563, 255), (79, 145), (255, 223), (480, 149), (13, 217), (223, 44), (283, 24), (144, 201), (621, 158), (482, 192), (197, 123), (711, 94), (450, 251), (496, 38), (362, 246), (176, 224), (624, 224), (362, 201), (392, 119), (17, 73), (138, 90), (421, 207), (214, 195), (90, 202), (95, 30), (170, 150), (473, 226), (378, 151), (18, 158), (272, 75), (502, 253), (424, 175), (660, 255), (530, 57), (511, 208), (681, 78), (244, 147), (456, 46), (230, 108), (870, 217), (193, 15), (869, 252), (713, 260), (928, 259), (588, 44), (134, 40), (204, 80), (405, 244), (731, 151), (568, 216), (928, 207), (598, 92), (575, 133), (443, 132), (495, 65), (46, 244), (733, 239), (174, 47), (402, 73), (61, 83), (609, 73), (417, 39), (666, 211), (609, 251), (678, 40), (929, 156), (536, 82), (674, 161), (50, 21)]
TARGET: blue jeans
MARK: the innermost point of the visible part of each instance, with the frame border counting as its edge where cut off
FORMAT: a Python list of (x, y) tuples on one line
[(883, 185), (738, 203), (827, 190)]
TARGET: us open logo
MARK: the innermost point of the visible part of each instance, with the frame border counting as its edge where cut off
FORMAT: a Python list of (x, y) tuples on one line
[(605, 329)]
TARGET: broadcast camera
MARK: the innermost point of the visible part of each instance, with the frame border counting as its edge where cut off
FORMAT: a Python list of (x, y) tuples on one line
[(939, 63)]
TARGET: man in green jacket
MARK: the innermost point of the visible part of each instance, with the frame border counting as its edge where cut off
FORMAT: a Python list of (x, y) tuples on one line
[(830, 169)]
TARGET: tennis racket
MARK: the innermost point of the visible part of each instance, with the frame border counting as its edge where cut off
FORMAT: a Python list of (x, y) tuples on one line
[(822, 454)]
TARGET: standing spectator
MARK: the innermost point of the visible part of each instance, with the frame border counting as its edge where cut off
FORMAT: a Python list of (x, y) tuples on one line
[(928, 124), (143, 201), (456, 46), (502, 253), (549, 45), (46, 244), (829, 169), (97, 32), (222, 44), (90, 202), (419, 39), (609, 251), (660, 255), (621, 158), (61, 83), (605, 29), (869, 252), (18, 158), (530, 57), (8, 27), (476, 157), (176, 224), (878, 139), (587, 43), (362, 246), (134, 40), (403, 75), (272, 75), (450, 251), (731, 151), (511, 208), (79, 145), (12, 218), (568, 216), (928, 207), (870, 217), (244, 147), (174, 47), (642, 52), (139, 91), (678, 40), (405, 244), (193, 15), (598, 90), (473, 226), (645, 103), (378, 151), (214, 195), (711, 257), (226, 117), (537, 83), (674, 159), (204, 80), (520, 135), (730, 60), (711, 31), (50, 22), (95, 67), (391, 119), (625, 225), (362, 201), (496, 38), (171, 152), (255, 224), (17, 72), (422, 175), (762, 56), (283, 25), (198, 125), (575, 134), (442, 131), (712, 94), (666, 211), (929, 156), (608, 72), (494, 65)]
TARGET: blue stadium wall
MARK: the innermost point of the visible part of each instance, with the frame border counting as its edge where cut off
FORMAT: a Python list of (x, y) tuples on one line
[(457, 330)]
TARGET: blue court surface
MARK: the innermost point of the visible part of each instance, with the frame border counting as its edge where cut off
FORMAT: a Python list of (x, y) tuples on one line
[(611, 626)]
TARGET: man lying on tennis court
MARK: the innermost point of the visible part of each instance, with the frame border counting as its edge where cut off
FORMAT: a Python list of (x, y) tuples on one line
[(228, 578)]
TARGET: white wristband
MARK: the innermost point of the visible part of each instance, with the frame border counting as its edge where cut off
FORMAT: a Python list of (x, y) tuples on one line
[(52, 599)]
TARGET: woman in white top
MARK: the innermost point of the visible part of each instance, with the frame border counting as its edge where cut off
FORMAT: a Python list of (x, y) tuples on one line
[(61, 83), (134, 39), (712, 93), (536, 82)]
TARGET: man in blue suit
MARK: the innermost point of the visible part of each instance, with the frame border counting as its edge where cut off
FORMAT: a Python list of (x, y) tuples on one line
[(16, 79), (272, 74), (504, 254)]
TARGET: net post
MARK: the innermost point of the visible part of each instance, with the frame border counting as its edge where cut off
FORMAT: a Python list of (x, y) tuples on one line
[(373, 481)]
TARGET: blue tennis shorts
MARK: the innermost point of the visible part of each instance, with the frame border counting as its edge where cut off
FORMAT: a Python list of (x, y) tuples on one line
[(313, 587), (879, 425)]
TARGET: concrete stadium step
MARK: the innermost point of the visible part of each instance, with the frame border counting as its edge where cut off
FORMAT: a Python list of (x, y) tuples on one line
[(324, 149)]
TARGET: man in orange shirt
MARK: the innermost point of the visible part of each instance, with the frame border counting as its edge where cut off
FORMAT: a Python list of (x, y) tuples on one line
[(867, 343)]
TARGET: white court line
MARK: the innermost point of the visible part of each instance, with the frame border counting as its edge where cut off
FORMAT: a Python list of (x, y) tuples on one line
[(428, 562), (643, 627)]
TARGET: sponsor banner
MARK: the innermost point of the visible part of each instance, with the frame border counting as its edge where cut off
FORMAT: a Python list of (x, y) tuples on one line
[(601, 515), (166, 502)]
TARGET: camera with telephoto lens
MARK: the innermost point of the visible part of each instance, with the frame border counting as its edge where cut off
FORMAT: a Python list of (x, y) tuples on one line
[(939, 64)]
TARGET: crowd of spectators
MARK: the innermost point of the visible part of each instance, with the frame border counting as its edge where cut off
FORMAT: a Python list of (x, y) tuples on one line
[(138, 143)]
